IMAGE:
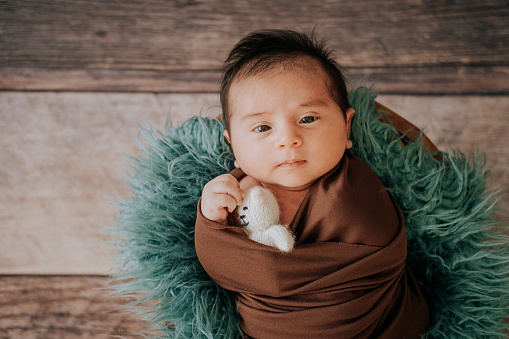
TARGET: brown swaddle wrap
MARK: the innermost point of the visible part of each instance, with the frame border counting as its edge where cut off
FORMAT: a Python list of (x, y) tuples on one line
[(346, 278)]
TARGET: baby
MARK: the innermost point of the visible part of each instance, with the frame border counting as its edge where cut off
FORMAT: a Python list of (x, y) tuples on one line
[(288, 120)]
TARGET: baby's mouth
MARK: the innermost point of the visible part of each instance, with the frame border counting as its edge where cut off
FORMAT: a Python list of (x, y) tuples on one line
[(292, 163)]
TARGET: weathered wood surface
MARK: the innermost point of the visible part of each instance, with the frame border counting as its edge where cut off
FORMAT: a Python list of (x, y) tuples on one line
[(50, 307), (60, 165), (178, 46)]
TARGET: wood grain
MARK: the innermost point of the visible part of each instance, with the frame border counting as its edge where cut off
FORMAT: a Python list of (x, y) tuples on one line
[(425, 80), (60, 165), (175, 46), (48, 307)]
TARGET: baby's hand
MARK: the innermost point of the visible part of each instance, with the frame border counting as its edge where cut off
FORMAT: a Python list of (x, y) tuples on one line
[(220, 196)]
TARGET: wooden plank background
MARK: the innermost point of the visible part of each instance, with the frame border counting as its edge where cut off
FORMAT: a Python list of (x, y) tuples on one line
[(61, 307), (178, 46), (76, 76)]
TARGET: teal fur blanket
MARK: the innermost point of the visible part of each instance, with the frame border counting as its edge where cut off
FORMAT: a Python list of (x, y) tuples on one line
[(458, 252)]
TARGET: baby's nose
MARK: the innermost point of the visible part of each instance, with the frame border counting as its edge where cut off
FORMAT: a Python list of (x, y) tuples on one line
[(290, 138)]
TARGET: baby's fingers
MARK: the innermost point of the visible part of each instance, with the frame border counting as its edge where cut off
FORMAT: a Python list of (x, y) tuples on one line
[(226, 201), (230, 186), (220, 196)]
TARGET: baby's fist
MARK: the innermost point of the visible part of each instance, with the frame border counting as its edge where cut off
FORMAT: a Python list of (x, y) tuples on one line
[(220, 196)]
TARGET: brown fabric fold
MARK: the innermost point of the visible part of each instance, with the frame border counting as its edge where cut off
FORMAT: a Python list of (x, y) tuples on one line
[(346, 278)]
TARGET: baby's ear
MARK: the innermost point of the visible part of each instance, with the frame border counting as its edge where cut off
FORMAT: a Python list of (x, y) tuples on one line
[(349, 115), (227, 136)]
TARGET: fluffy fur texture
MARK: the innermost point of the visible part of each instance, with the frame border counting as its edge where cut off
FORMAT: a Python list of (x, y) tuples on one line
[(458, 252)]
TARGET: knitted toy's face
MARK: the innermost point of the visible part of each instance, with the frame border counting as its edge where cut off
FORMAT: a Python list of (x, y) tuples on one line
[(285, 128), (259, 209)]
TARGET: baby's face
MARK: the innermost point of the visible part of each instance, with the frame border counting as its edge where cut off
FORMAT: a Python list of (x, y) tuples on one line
[(285, 129)]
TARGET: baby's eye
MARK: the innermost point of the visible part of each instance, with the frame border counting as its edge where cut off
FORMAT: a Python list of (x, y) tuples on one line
[(262, 128), (308, 119)]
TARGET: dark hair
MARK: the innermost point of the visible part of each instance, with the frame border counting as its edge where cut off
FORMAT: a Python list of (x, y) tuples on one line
[(265, 50)]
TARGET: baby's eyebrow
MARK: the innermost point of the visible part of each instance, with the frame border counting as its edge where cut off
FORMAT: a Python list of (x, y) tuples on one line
[(252, 115), (314, 103)]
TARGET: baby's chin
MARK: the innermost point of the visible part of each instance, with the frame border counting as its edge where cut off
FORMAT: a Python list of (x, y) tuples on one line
[(288, 181), (289, 186)]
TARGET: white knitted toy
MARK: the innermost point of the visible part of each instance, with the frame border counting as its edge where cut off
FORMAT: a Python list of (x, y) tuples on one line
[(259, 213)]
